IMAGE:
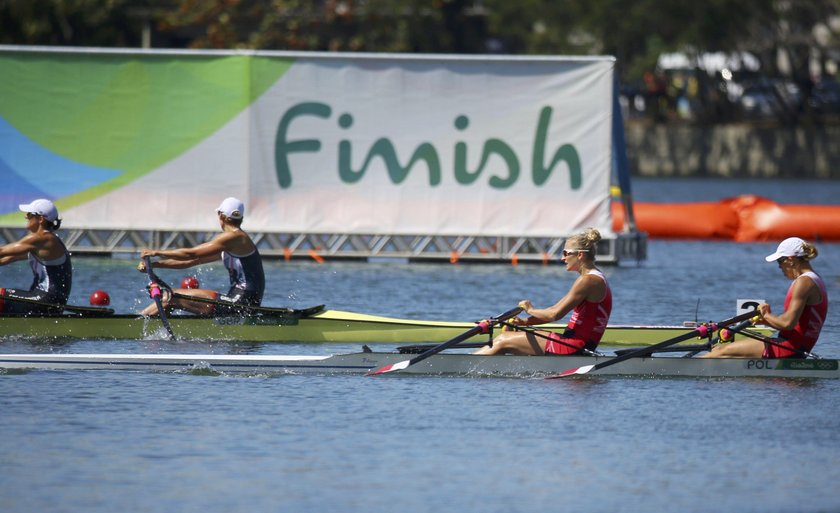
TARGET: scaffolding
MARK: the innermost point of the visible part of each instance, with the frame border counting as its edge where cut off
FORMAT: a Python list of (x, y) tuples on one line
[(613, 249)]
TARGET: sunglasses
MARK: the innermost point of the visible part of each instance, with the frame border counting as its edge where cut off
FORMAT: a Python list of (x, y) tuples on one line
[(567, 252), (781, 261), (30, 215)]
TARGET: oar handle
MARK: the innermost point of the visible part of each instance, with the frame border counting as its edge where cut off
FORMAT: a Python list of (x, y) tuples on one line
[(723, 333), (154, 291), (154, 278), (513, 312)]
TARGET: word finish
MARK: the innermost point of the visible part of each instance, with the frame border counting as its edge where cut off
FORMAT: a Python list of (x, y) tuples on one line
[(425, 152)]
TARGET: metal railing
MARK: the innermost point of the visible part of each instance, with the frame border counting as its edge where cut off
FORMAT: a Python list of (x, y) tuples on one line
[(613, 249)]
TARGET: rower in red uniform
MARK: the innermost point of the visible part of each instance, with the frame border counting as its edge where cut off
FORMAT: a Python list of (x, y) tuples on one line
[(589, 299), (806, 307)]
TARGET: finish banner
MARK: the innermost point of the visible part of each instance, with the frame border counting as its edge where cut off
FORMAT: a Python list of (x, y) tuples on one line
[(311, 142)]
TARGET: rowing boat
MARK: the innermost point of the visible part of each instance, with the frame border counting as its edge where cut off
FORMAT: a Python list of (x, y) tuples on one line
[(324, 326), (457, 364)]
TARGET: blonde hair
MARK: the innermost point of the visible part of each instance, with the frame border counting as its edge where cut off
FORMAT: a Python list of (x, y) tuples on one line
[(810, 251), (588, 240)]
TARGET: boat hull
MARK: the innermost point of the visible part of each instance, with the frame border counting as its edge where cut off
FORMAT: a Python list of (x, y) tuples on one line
[(441, 364), (327, 326)]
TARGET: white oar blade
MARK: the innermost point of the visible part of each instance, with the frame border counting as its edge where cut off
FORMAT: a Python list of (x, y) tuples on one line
[(390, 368), (571, 372)]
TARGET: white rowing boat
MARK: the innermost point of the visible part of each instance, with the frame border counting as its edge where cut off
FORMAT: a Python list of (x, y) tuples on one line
[(459, 364)]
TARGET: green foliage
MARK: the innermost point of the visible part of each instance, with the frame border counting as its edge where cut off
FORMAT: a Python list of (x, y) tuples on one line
[(69, 22), (636, 32)]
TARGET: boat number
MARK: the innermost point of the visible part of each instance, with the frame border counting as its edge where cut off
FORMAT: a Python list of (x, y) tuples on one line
[(760, 364)]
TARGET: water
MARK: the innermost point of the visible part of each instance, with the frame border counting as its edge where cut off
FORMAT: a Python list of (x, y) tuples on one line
[(99, 441), (805, 192)]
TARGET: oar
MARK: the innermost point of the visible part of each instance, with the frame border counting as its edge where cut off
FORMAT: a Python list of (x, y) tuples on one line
[(692, 349), (154, 292), (773, 342), (481, 327), (92, 311), (700, 331), (717, 338), (420, 348), (288, 312), (678, 349)]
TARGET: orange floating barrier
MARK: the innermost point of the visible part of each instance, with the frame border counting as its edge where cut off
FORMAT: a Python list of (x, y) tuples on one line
[(765, 220), (453, 257), (287, 254), (682, 220), (745, 218)]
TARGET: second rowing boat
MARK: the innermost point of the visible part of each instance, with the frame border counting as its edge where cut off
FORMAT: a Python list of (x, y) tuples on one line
[(325, 326)]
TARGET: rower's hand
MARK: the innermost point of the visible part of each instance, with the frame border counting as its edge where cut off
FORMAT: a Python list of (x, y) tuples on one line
[(143, 254), (517, 321), (763, 309), (526, 306)]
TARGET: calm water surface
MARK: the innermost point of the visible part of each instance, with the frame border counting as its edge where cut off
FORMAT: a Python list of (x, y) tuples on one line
[(164, 442)]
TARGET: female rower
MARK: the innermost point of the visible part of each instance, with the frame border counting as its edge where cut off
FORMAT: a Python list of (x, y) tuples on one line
[(48, 258), (239, 255), (806, 306), (589, 298)]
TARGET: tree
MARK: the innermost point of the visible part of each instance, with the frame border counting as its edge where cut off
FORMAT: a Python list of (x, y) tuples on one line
[(69, 22)]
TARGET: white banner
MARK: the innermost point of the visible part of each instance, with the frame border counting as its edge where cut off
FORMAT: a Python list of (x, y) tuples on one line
[(395, 145)]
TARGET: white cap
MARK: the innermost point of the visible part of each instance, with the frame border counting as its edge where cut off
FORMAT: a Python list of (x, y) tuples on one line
[(42, 207), (232, 208), (790, 247)]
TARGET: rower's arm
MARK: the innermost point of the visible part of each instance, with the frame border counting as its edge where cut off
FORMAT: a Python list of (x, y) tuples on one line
[(9, 259), (576, 295), (188, 257), (17, 250), (184, 264), (799, 298)]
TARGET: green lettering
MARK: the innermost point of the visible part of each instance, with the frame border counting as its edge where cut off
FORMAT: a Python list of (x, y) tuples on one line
[(384, 149), (566, 153), (462, 175), (491, 146), (283, 147), (500, 148)]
